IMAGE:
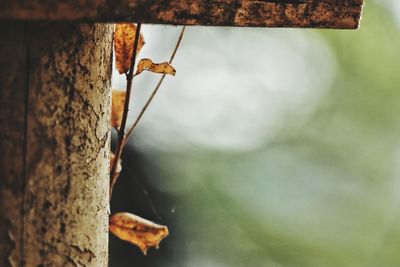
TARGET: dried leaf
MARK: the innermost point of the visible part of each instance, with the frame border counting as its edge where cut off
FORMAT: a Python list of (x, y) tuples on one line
[(119, 165), (138, 231), (124, 37), (148, 64), (117, 109)]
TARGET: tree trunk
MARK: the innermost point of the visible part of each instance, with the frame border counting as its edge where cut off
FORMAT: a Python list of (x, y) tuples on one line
[(54, 143)]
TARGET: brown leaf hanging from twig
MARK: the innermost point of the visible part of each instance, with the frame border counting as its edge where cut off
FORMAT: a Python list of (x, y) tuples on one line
[(149, 65), (124, 37), (119, 165), (138, 231), (117, 109)]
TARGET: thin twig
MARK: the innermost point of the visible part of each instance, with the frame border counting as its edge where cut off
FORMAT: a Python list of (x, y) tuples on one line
[(155, 89), (121, 132)]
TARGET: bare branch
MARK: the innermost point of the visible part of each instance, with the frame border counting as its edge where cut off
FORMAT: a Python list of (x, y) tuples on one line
[(130, 131), (121, 132)]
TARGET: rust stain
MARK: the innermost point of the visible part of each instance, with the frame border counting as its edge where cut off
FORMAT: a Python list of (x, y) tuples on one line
[(252, 13)]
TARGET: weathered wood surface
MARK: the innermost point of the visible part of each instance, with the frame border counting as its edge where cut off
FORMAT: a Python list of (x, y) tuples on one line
[(54, 143), (263, 13)]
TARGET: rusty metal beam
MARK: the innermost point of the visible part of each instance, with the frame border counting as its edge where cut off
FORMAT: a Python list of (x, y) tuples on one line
[(256, 13)]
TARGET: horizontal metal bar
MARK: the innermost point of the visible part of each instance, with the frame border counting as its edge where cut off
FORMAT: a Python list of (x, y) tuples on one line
[(254, 13)]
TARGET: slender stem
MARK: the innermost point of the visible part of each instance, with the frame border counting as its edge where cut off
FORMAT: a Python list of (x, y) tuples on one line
[(121, 132), (155, 90), (178, 43)]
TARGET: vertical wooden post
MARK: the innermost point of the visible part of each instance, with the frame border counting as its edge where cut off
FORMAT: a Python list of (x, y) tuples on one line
[(54, 143)]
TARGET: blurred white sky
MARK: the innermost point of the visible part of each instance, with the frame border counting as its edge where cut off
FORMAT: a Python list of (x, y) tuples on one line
[(393, 6), (233, 89)]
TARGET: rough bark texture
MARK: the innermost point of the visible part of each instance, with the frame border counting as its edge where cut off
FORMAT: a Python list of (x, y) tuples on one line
[(263, 13), (54, 143)]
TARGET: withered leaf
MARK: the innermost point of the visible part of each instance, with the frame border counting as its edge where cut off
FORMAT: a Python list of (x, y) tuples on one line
[(149, 65), (124, 37), (117, 109), (119, 166), (138, 231)]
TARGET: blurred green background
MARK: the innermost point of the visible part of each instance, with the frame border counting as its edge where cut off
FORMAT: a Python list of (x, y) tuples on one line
[(274, 147)]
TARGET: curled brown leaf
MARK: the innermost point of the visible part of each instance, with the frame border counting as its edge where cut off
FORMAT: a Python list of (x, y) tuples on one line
[(124, 37), (149, 65), (119, 165), (117, 109), (138, 231)]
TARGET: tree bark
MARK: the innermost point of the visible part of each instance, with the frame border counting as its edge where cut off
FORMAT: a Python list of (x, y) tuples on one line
[(54, 143)]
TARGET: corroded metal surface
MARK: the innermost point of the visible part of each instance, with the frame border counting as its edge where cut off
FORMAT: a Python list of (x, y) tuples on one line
[(262, 13)]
